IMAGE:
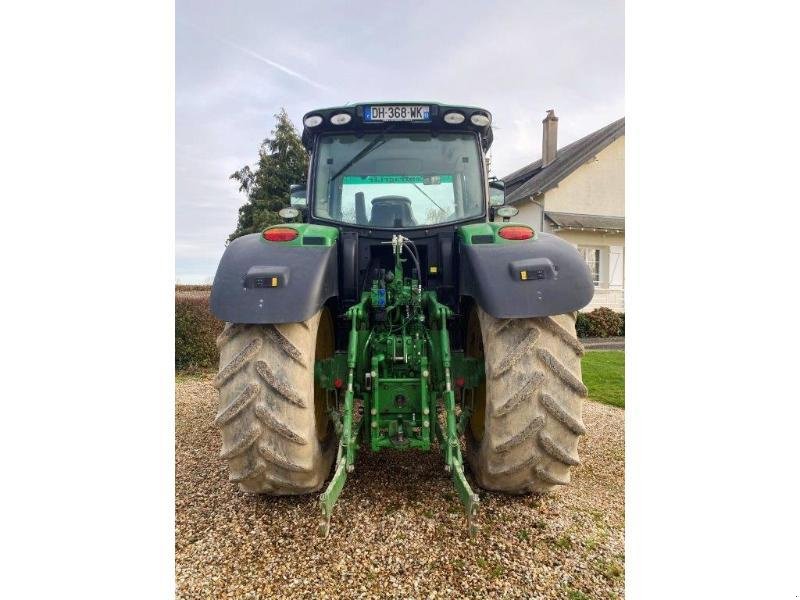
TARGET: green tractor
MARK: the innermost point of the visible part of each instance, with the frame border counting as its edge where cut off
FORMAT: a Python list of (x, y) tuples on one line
[(398, 308)]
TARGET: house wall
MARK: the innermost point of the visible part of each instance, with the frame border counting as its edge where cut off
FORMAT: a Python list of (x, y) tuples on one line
[(611, 290), (530, 213), (595, 188)]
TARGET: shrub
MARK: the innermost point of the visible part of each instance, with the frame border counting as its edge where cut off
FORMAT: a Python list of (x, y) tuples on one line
[(196, 330), (192, 288), (605, 322), (583, 325), (601, 322)]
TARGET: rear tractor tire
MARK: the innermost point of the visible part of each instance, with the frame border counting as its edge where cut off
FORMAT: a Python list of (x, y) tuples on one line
[(276, 436), (523, 434)]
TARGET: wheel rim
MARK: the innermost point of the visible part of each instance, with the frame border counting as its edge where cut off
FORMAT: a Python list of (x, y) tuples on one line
[(324, 349), (474, 349)]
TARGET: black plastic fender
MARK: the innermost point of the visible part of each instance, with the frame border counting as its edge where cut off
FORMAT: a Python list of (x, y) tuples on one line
[(258, 282), (536, 278)]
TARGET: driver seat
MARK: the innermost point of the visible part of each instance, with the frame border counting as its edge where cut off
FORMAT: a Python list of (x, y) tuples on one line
[(392, 211)]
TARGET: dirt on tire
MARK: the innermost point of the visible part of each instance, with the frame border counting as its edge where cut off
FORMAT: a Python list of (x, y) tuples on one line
[(266, 408), (528, 438)]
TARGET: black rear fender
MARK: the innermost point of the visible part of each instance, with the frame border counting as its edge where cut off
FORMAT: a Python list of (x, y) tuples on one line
[(263, 282), (532, 278)]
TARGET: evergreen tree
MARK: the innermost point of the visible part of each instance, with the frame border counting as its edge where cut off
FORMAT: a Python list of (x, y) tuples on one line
[(282, 161)]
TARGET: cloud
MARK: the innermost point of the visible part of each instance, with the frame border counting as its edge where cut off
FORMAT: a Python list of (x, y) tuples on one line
[(274, 64), (264, 59)]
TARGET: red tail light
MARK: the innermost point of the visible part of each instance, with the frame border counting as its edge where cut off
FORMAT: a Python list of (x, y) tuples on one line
[(280, 234), (515, 232)]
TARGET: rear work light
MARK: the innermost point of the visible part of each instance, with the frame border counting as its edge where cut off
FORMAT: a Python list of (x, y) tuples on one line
[(280, 234), (515, 232), (454, 118), (341, 119), (480, 119)]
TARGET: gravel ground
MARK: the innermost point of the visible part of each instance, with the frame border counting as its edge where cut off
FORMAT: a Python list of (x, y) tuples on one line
[(610, 343), (398, 529)]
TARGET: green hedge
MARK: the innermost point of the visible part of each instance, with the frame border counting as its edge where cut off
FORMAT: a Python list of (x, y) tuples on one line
[(196, 331), (601, 322)]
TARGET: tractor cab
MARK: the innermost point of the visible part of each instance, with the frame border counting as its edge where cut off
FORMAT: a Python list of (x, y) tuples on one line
[(396, 166), (378, 169)]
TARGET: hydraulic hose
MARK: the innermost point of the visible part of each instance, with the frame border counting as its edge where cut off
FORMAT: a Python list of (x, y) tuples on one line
[(408, 244)]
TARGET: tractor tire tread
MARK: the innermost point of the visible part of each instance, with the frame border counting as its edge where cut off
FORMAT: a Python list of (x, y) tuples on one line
[(534, 396), (266, 408)]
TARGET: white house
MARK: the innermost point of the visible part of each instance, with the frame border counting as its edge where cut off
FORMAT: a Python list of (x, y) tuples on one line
[(578, 193)]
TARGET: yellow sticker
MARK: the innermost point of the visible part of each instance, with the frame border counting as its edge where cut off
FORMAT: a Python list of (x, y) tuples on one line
[(433, 269), (523, 275), (274, 282)]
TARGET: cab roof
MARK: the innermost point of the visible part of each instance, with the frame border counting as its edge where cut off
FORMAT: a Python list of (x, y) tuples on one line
[(434, 121)]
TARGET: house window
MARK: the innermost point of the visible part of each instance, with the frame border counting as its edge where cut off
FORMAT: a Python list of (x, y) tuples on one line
[(592, 258)]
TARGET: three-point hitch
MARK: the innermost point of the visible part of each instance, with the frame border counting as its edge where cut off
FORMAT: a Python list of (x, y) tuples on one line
[(400, 366)]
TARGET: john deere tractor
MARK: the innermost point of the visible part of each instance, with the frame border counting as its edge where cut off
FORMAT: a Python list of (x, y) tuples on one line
[(399, 308)]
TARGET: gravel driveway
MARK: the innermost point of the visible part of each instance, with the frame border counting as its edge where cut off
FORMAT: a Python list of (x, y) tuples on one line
[(398, 529)]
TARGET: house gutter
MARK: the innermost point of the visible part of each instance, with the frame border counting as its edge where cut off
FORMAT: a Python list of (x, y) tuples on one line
[(540, 204)]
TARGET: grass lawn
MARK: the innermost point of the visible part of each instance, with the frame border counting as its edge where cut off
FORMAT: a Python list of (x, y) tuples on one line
[(604, 375)]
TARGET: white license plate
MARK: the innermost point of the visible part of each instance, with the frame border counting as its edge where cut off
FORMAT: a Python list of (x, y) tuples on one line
[(390, 112)]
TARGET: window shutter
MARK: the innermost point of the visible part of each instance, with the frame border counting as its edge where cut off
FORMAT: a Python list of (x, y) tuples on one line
[(616, 267)]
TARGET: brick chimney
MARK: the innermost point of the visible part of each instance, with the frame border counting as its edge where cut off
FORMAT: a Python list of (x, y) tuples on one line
[(549, 137)]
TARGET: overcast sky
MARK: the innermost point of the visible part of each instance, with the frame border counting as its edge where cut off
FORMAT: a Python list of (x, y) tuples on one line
[(238, 63)]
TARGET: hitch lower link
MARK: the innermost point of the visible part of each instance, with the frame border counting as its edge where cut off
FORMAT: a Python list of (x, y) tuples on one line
[(348, 446), (448, 436)]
